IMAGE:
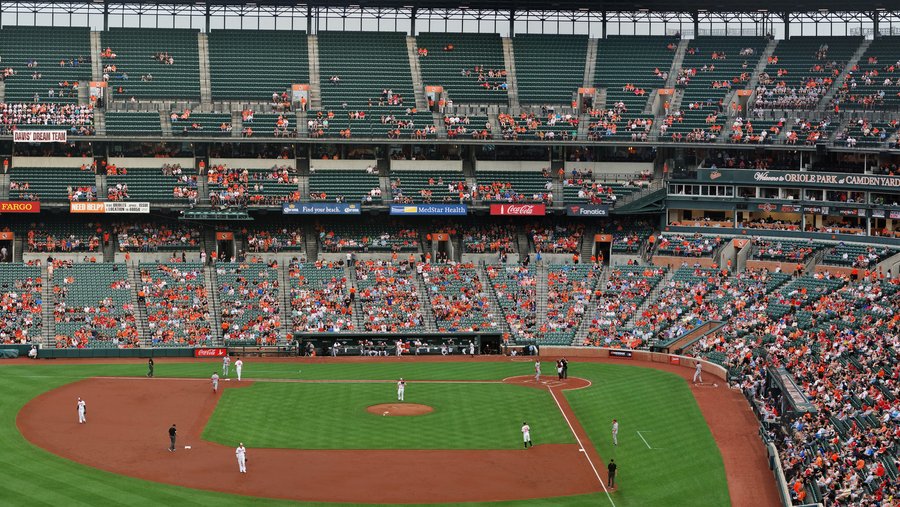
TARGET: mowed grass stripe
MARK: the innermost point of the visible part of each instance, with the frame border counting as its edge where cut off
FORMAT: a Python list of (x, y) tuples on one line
[(334, 416), (685, 462)]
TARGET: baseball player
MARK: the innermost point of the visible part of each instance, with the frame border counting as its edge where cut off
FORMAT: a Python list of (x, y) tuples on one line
[(698, 373), (334, 348), (238, 367), (471, 348), (215, 382), (537, 370), (401, 389), (615, 432), (82, 408), (226, 362), (526, 435), (150, 367), (399, 347), (241, 453)]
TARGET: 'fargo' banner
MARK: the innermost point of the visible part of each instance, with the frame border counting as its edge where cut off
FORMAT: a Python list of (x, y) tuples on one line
[(20, 207), (40, 136)]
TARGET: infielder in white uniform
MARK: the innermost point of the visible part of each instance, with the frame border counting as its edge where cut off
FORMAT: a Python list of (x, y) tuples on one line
[(526, 435), (238, 367), (401, 389), (537, 370), (698, 373), (241, 453), (215, 382), (226, 361), (82, 407), (615, 432)]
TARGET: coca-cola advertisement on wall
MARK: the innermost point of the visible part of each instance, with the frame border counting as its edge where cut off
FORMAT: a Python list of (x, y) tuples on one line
[(211, 352), (519, 209)]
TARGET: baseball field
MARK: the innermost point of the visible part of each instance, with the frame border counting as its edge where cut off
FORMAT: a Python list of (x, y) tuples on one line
[(311, 439)]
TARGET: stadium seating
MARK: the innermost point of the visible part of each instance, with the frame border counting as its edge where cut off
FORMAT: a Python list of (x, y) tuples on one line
[(93, 306), (615, 304), (710, 62), (861, 132), (375, 121), (429, 187), (249, 303), (873, 83), (251, 65), (380, 237), (157, 185), (456, 60), (252, 187), (858, 256), (367, 63), (389, 297), (549, 68), (569, 287), (353, 186), (54, 236), (458, 298), (54, 184), (804, 71), (155, 236), (510, 186), (320, 298), (631, 60), (21, 303), (516, 290), (782, 250), (63, 61), (486, 238), (557, 238), (274, 237), (205, 124), (177, 304), (136, 51), (686, 246), (133, 124)]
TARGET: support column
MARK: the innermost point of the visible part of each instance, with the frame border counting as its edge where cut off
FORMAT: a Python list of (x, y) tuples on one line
[(512, 22), (695, 17), (412, 21), (105, 16), (207, 18), (603, 24), (875, 17), (309, 21), (787, 25)]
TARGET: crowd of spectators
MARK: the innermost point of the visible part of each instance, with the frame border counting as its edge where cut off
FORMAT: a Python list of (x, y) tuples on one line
[(321, 297), (177, 304), (557, 238), (783, 250), (154, 236), (460, 126), (494, 238), (21, 307), (569, 288), (249, 304), (77, 119), (613, 306), (458, 297), (51, 238), (393, 239), (516, 290), (682, 245), (389, 296)]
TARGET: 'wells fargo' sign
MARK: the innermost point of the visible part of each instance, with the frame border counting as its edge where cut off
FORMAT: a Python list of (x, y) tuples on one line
[(20, 207)]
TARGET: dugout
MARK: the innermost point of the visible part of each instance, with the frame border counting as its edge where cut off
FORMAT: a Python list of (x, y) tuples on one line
[(792, 402), (375, 344)]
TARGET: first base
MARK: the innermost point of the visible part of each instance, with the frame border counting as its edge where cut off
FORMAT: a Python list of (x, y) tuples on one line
[(187, 447)]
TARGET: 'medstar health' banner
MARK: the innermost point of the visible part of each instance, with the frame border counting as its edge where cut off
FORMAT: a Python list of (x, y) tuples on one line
[(319, 208), (429, 209)]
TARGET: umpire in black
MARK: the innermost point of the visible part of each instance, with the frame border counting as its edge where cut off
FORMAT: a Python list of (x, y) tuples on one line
[(172, 432)]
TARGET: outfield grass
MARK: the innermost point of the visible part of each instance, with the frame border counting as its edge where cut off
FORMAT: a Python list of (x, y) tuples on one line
[(686, 471), (334, 416)]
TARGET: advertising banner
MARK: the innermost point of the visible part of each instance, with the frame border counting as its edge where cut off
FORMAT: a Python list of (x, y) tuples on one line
[(587, 210), (320, 208), (800, 178), (39, 136), (519, 209), (211, 352), (620, 353), (109, 207), (429, 209), (20, 207), (224, 236), (7, 236)]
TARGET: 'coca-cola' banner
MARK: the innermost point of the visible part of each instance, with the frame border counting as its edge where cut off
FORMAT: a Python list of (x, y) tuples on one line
[(519, 209), (212, 352)]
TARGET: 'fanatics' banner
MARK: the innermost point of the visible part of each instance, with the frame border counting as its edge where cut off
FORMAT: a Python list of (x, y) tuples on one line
[(20, 207), (519, 209), (39, 136)]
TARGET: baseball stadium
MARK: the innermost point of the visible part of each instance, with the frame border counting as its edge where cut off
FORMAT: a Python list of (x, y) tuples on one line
[(399, 253)]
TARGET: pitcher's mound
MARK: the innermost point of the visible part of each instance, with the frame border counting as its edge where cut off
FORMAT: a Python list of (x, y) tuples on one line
[(391, 409)]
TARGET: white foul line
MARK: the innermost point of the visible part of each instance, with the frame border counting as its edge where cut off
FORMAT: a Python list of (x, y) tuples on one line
[(581, 448), (644, 439)]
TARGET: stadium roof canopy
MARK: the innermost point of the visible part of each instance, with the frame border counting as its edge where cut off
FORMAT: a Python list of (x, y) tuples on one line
[(774, 6)]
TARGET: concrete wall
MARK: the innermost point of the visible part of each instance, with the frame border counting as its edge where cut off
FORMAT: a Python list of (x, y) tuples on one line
[(490, 258), (637, 356), (319, 164), (673, 262), (504, 165), (254, 163), (427, 165), (51, 161), (63, 256), (150, 163)]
